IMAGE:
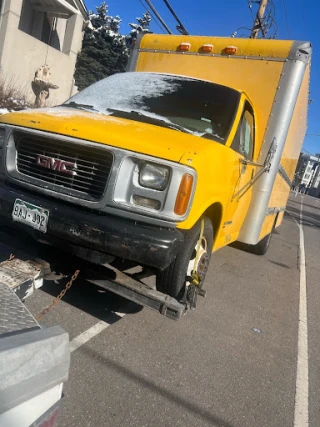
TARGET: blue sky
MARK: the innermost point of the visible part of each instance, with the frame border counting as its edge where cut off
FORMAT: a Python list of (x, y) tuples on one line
[(222, 18)]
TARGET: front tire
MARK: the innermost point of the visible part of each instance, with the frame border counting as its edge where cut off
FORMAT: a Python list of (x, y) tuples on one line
[(173, 280)]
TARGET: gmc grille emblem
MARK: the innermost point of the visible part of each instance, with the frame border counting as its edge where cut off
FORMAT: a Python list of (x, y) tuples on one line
[(56, 165)]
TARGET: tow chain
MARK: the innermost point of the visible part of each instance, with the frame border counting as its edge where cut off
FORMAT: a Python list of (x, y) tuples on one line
[(60, 296)]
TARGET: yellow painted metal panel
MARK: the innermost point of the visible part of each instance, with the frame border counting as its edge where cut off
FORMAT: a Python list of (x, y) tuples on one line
[(134, 136), (280, 193), (267, 226), (296, 133), (245, 47), (280, 219)]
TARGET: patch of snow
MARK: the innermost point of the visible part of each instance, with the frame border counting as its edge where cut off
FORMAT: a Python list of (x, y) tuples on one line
[(68, 112), (4, 111), (125, 91)]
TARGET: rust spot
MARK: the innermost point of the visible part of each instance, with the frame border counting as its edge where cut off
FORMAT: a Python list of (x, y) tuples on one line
[(95, 229), (75, 130)]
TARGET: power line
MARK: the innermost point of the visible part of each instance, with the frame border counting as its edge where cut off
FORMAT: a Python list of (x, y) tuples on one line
[(180, 27), (153, 16), (157, 15), (250, 7), (286, 14)]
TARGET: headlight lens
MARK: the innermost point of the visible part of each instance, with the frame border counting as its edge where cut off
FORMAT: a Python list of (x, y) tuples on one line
[(2, 136), (154, 176)]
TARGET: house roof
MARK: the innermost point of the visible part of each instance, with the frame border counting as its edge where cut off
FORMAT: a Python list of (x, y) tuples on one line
[(63, 8), (83, 8)]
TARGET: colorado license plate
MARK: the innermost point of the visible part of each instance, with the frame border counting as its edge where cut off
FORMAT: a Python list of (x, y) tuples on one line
[(29, 214)]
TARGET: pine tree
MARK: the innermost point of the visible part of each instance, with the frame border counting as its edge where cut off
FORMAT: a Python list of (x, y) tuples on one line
[(142, 26), (104, 50)]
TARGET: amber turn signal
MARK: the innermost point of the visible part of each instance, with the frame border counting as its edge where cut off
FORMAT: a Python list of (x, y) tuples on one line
[(184, 47), (183, 195), (207, 48), (230, 50)]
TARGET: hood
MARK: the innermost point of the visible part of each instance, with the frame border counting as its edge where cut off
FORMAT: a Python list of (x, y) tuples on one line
[(134, 136)]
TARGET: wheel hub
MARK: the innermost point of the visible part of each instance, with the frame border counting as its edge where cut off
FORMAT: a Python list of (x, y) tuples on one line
[(203, 265)]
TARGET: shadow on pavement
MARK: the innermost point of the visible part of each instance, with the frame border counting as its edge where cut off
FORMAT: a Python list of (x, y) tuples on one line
[(308, 218), (91, 299), (189, 406), (83, 295)]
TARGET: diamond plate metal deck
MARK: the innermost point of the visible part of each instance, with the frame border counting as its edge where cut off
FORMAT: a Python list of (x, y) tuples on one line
[(14, 316)]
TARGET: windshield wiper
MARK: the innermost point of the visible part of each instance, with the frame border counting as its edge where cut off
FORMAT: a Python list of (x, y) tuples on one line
[(213, 136), (79, 106), (150, 120)]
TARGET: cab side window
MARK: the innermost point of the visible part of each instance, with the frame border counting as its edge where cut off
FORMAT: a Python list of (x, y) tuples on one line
[(243, 141)]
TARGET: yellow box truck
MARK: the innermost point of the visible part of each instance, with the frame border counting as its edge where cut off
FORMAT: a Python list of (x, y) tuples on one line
[(192, 149)]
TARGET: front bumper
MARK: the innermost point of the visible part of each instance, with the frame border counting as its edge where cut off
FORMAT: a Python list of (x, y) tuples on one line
[(144, 244)]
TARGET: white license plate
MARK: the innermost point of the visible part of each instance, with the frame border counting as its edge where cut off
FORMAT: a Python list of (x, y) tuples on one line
[(29, 214)]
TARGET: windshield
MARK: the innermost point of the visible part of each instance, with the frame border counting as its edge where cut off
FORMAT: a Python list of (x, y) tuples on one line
[(184, 104)]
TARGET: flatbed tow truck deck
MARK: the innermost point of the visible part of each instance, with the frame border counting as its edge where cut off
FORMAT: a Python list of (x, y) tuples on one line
[(34, 361)]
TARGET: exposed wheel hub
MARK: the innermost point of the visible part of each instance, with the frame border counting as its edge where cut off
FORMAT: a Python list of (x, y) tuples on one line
[(203, 265), (200, 265)]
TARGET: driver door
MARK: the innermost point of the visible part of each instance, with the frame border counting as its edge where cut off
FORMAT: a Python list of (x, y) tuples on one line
[(243, 146)]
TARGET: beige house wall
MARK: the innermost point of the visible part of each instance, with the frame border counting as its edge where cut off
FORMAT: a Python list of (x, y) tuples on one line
[(22, 54)]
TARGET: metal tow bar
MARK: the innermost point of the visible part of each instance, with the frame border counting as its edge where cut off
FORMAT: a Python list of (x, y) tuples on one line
[(136, 291), (26, 276)]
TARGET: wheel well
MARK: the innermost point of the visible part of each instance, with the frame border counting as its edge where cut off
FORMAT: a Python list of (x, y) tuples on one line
[(214, 213)]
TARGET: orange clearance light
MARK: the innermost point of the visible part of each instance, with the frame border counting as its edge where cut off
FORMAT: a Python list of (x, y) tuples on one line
[(207, 48), (184, 47), (230, 50), (183, 195)]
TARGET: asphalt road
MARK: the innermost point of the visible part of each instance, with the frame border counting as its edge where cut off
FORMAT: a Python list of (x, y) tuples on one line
[(231, 363)]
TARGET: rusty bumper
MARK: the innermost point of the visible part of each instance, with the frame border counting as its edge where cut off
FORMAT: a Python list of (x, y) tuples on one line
[(147, 245)]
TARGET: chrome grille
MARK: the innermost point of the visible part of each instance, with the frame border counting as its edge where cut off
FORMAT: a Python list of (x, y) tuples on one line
[(93, 164)]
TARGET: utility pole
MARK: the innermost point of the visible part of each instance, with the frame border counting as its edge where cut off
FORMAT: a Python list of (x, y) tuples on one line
[(258, 22)]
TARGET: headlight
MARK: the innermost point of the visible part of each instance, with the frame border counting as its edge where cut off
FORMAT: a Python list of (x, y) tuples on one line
[(154, 176), (2, 136)]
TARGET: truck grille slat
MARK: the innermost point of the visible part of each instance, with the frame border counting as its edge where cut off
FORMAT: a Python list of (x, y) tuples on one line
[(90, 182), (76, 186), (89, 175), (39, 150)]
